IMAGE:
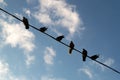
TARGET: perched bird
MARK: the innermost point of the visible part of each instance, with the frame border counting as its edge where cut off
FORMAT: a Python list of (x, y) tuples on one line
[(84, 54), (71, 45), (43, 29), (94, 57), (25, 22), (59, 38)]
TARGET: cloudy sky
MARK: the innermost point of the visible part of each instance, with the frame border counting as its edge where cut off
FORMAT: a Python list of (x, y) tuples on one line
[(31, 55)]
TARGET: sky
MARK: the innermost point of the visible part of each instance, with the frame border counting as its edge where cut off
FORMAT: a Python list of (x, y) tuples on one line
[(26, 54)]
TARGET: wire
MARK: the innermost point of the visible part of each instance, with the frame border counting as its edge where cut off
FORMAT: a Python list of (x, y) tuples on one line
[(10, 14), (61, 42)]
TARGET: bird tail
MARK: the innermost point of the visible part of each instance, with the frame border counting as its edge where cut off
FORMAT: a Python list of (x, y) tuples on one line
[(84, 58), (70, 51)]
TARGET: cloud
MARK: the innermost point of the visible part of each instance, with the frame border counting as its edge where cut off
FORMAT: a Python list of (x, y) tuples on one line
[(90, 72), (87, 71), (27, 11), (15, 35), (108, 62), (59, 13), (2, 3), (3, 68), (29, 59), (6, 73), (30, 1), (49, 55), (51, 78)]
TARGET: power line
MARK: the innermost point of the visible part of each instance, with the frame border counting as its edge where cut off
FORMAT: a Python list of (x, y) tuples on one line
[(61, 41)]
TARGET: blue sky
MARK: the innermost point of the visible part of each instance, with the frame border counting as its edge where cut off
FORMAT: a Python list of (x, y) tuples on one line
[(30, 55)]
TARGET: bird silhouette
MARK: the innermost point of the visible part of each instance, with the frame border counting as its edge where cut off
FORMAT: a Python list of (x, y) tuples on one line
[(43, 29), (71, 45), (84, 54), (94, 57), (25, 22), (59, 38)]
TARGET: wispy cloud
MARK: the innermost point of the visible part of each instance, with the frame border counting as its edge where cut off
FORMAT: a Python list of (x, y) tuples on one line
[(27, 11), (59, 13), (29, 59), (87, 71), (108, 61), (49, 55), (15, 35), (3, 68), (6, 73), (30, 1), (2, 3), (48, 77)]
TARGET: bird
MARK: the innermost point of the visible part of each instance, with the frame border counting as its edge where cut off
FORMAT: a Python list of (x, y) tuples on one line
[(71, 45), (94, 57), (43, 29), (84, 54), (25, 22), (59, 38)]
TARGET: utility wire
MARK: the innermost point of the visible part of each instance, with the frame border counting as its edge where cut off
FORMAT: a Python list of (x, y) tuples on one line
[(61, 41)]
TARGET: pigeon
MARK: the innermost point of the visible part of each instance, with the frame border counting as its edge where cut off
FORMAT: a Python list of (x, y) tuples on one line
[(94, 57), (26, 23), (43, 29), (84, 54), (59, 38), (71, 45)]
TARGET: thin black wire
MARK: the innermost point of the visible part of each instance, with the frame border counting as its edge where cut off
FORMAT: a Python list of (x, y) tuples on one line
[(61, 41)]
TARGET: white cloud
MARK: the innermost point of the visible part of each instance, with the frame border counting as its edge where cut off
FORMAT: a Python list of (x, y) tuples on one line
[(18, 15), (59, 13), (43, 18), (51, 78), (30, 1), (49, 55), (16, 35), (2, 3), (6, 73), (108, 62), (87, 71), (27, 11), (3, 68), (30, 59)]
